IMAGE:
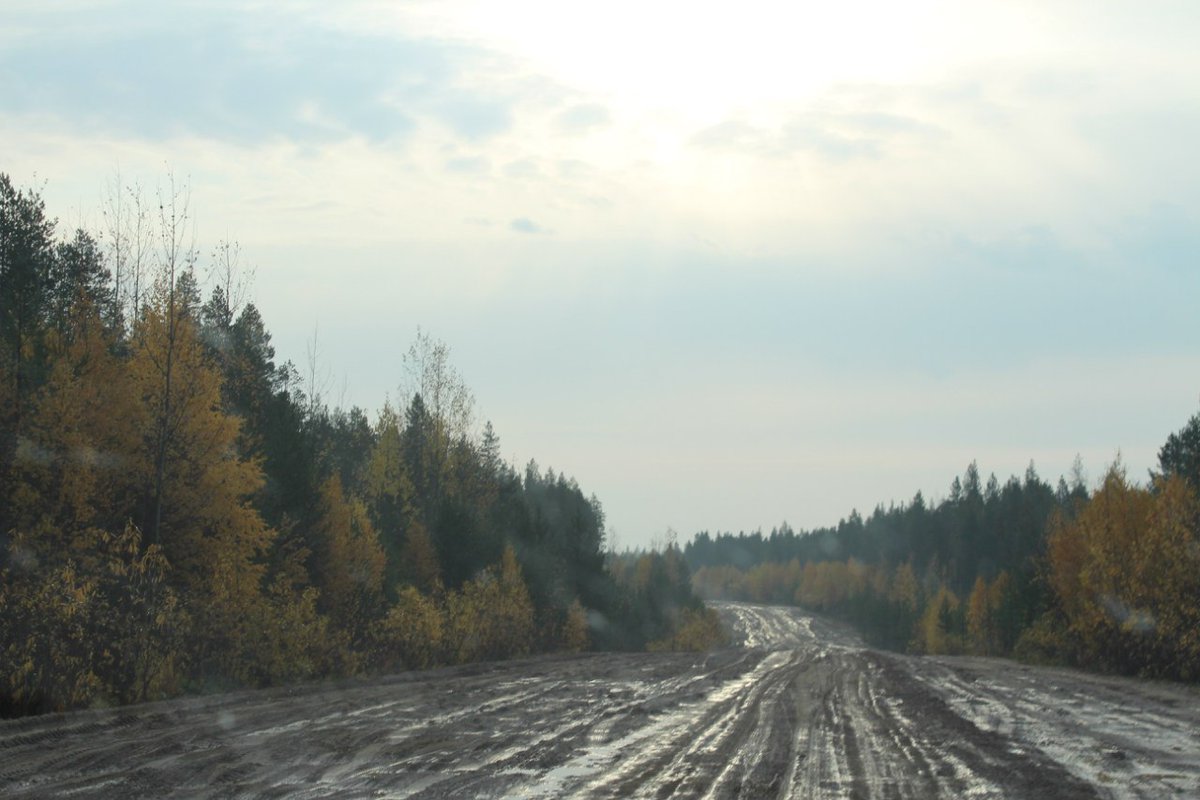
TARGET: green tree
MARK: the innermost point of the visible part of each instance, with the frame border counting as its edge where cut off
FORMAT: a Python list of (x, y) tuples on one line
[(1180, 454), (26, 258), (78, 273)]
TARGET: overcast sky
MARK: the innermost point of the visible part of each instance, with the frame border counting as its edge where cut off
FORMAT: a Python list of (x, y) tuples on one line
[(727, 264)]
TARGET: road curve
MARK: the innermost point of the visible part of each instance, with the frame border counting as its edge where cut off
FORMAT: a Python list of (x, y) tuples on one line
[(799, 709)]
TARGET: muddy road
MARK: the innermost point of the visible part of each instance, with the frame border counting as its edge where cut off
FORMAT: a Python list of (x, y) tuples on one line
[(799, 709)]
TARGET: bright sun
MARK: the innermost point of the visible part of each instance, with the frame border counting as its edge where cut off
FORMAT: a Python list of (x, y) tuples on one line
[(703, 61)]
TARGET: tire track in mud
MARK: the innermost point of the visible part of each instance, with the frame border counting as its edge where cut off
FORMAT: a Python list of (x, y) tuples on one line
[(818, 719), (802, 709), (697, 743), (1133, 739)]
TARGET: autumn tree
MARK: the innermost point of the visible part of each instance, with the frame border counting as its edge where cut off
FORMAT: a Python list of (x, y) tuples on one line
[(163, 333), (413, 633), (348, 561), (142, 627), (74, 471), (1167, 577), (575, 629), (1124, 573), (76, 629), (295, 641), (389, 491), (196, 488), (982, 623), (940, 629), (491, 616), (419, 560), (1088, 559), (176, 511)]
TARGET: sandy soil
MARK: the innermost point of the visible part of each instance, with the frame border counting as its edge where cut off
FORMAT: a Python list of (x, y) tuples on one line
[(799, 709)]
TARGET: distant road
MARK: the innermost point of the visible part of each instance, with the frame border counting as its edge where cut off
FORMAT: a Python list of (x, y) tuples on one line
[(799, 709)]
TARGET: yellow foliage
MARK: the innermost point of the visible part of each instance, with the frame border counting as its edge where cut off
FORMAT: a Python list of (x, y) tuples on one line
[(350, 571), (642, 573), (695, 631), (721, 582), (1126, 572), (413, 633), (386, 476), (905, 590), (980, 621), (190, 475), (294, 642), (389, 487), (72, 467), (1167, 574), (70, 637), (420, 560), (491, 617), (46, 621), (1046, 641), (771, 582), (827, 584), (144, 628), (939, 630), (985, 628), (575, 629), (204, 491)]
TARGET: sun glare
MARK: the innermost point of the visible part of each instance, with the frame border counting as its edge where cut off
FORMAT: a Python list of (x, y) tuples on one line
[(705, 61)]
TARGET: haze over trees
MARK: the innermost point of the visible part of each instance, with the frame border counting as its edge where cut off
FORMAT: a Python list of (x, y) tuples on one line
[(181, 511), (1107, 579)]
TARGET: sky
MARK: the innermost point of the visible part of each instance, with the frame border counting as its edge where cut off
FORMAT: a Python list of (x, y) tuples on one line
[(727, 264)]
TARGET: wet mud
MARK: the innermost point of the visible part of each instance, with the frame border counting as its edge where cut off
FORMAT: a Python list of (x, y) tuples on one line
[(798, 708)]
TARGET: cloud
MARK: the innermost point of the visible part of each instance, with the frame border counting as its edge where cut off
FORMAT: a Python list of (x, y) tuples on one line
[(817, 136), (583, 118), (526, 225), (1032, 250), (887, 124), (522, 168), (475, 165), (831, 136), (732, 135), (804, 134), (247, 79), (1166, 238), (474, 117)]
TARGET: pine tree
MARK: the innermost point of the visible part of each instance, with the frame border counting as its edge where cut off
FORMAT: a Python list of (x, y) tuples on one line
[(26, 258)]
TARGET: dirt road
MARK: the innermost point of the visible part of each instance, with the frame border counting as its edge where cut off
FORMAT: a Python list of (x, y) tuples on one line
[(799, 709)]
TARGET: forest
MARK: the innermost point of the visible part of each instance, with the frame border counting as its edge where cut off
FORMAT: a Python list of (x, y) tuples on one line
[(180, 511), (1107, 579)]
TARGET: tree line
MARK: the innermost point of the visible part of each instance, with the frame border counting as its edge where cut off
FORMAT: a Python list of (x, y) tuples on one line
[(1106, 579), (179, 511)]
